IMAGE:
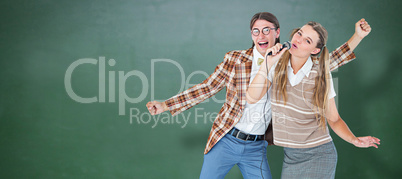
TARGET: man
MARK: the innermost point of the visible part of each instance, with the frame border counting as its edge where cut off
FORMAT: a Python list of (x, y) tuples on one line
[(237, 134)]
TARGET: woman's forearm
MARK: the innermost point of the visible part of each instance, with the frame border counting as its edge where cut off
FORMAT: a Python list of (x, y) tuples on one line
[(258, 86), (342, 130), (337, 124)]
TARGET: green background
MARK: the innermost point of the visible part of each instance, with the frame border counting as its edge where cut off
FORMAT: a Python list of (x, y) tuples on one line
[(44, 133)]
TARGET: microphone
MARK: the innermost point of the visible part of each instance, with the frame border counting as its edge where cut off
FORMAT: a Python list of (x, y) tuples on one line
[(286, 44)]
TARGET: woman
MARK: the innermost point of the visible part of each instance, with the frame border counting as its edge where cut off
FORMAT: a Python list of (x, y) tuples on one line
[(302, 99)]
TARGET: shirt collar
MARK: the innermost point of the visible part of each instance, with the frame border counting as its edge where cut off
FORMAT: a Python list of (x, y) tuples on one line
[(306, 67), (256, 54)]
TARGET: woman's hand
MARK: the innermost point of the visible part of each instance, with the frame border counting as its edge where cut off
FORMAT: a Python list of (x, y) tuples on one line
[(364, 142), (155, 107), (276, 55)]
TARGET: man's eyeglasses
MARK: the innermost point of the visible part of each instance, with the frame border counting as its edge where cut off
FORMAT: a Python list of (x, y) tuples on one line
[(265, 31)]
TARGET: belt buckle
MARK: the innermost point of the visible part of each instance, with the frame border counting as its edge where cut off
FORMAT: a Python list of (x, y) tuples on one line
[(237, 136)]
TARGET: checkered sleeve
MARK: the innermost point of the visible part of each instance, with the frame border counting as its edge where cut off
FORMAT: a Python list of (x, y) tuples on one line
[(198, 93), (340, 56)]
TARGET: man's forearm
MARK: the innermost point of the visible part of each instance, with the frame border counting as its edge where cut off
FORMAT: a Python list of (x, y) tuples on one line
[(354, 41)]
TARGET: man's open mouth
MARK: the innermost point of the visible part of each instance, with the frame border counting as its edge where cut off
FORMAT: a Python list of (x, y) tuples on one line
[(263, 44)]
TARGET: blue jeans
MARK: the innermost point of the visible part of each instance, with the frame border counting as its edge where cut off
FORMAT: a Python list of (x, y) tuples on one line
[(248, 155)]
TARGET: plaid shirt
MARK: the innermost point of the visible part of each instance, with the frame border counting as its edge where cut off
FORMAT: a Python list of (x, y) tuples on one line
[(234, 74)]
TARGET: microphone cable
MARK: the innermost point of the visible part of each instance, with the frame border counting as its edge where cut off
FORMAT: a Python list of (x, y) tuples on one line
[(265, 120), (288, 45)]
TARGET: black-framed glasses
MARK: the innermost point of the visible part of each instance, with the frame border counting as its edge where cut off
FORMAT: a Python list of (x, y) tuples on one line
[(265, 31)]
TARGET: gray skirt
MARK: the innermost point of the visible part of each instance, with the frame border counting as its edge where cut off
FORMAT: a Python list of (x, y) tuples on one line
[(316, 162)]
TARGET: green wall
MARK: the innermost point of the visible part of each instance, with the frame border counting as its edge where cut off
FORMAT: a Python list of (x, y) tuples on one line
[(53, 50)]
